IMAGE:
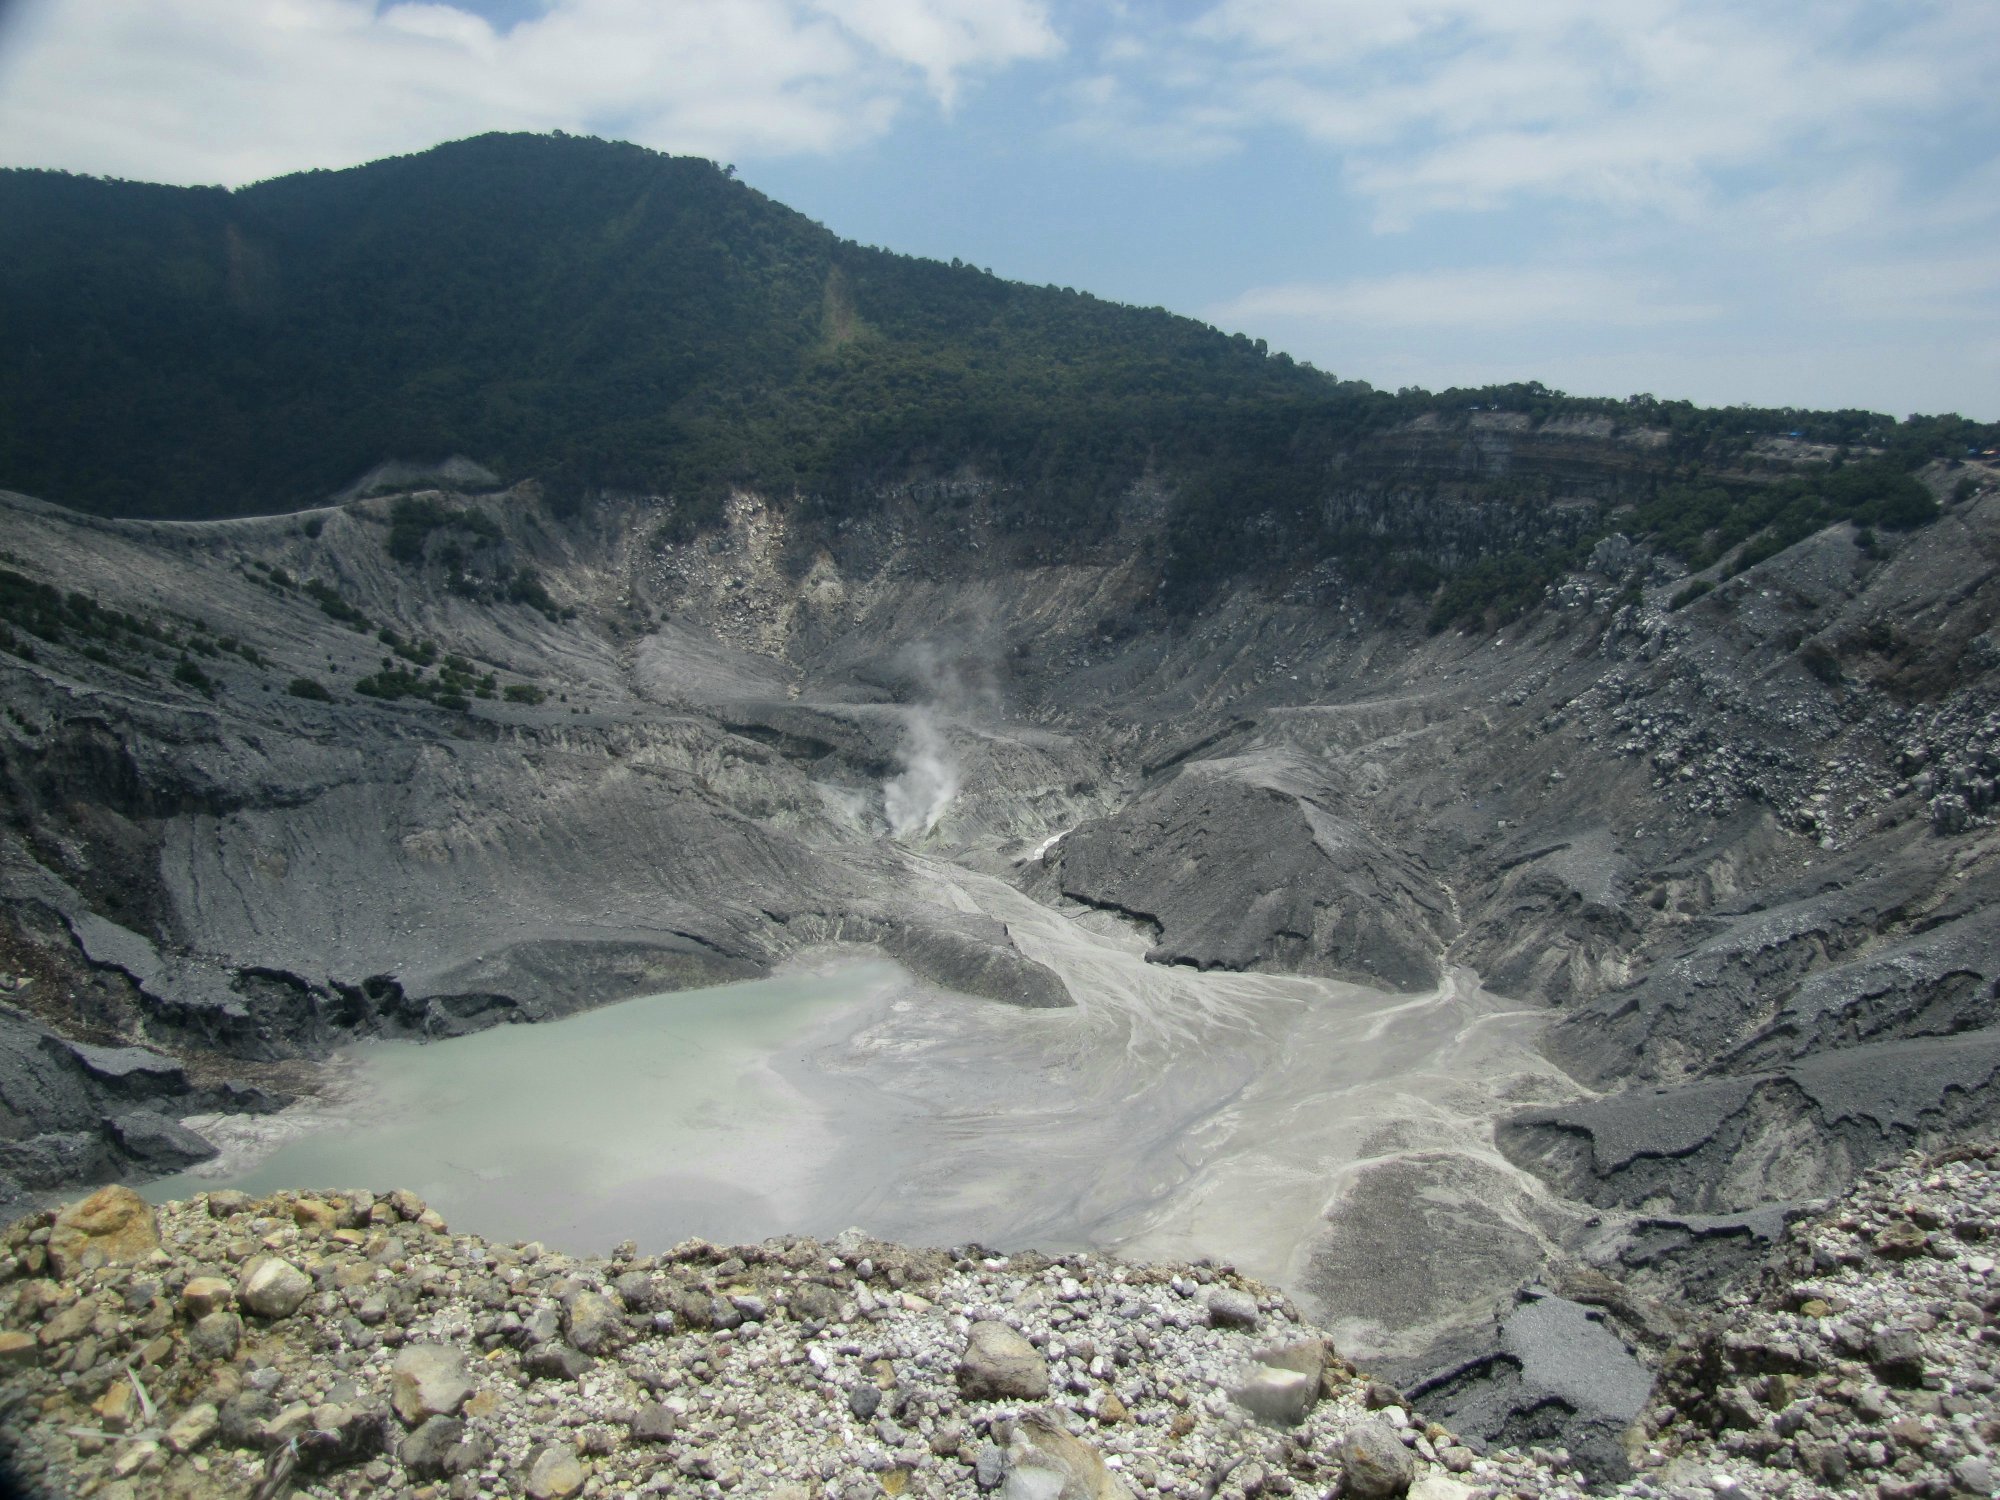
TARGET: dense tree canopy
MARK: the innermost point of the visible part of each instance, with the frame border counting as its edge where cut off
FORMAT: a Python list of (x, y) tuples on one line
[(598, 316)]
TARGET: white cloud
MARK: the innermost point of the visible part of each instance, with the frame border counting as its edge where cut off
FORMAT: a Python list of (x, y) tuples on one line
[(1435, 105), (944, 38), (233, 90)]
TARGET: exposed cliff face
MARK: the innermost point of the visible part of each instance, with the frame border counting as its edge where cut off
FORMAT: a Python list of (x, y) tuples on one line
[(1742, 847)]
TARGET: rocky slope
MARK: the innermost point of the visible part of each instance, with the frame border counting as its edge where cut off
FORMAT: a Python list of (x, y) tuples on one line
[(345, 1343), (1742, 848)]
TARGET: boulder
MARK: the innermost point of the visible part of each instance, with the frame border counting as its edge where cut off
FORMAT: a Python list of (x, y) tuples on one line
[(272, 1287), (344, 1436), (1046, 1463), (158, 1143), (652, 1423), (1437, 1487), (1283, 1397), (316, 1215), (113, 1226), (428, 1380), (1374, 1464), (593, 1322), (554, 1473), (1000, 1365), (193, 1427), (424, 1451), (811, 1302), (216, 1336), (206, 1294), (1229, 1308), (555, 1362)]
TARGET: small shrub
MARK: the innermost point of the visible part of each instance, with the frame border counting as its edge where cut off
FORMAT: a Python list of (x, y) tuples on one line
[(186, 672), (309, 687)]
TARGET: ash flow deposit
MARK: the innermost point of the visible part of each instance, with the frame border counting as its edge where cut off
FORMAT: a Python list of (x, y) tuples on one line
[(1195, 865)]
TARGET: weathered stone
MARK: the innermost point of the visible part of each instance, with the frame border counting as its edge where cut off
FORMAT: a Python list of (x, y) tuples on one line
[(813, 1302), (652, 1423), (216, 1336), (226, 1203), (1000, 1365), (989, 1466), (1307, 1356), (316, 1215), (243, 1418), (1283, 1397), (428, 1380), (194, 1427), (555, 1362), (1374, 1464), (70, 1324), (18, 1350), (343, 1437), (554, 1473), (293, 1421), (1230, 1308), (1046, 1463), (424, 1451), (134, 1457), (113, 1226), (1897, 1356), (118, 1406), (272, 1287), (206, 1294), (1900, 1241), (1437, 1487), (642, 1291), (592, 1322)]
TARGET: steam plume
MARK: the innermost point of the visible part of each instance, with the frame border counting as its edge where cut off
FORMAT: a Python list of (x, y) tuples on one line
[(916, 797)]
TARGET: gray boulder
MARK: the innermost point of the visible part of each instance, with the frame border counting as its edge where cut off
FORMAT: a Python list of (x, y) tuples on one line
[(593, 1322), (273, 1288), (1229, 1308), (1374, 1464), (424, 1451), (1000, 1365), (428, 1380), (1283, 1397)]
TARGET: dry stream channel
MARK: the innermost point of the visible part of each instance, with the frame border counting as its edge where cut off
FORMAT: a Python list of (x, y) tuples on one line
[(1332, 1139)]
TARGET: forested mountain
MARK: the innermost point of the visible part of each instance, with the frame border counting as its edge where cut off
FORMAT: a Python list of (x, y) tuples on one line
[(598, 316)]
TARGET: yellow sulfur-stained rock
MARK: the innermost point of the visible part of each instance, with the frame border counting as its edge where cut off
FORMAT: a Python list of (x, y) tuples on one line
[(113, 1226)]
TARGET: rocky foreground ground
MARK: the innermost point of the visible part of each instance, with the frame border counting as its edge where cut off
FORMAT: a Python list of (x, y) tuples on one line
[(340, 1344)]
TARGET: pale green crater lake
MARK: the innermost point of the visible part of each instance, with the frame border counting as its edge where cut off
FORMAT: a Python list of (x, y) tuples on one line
[(1168, 1113), (657, 1118)]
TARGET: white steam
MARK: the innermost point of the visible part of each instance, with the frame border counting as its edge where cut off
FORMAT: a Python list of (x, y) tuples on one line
[(916, 797)]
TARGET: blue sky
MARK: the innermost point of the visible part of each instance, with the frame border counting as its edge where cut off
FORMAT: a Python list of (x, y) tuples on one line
[(1782, 203)]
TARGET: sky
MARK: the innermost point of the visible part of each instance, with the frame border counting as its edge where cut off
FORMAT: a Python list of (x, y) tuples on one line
[(1785, 202)]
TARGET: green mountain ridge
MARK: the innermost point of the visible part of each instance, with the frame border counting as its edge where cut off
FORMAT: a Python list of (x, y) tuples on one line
[(597, 316)]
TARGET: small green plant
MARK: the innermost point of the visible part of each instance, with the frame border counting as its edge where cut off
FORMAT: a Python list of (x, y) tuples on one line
[(309, 687), (525, 692), (1685, 596), (335, 607), (187, 672)]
